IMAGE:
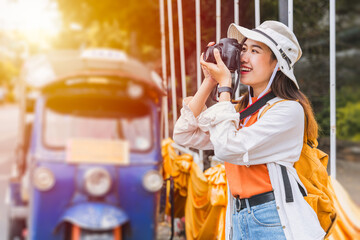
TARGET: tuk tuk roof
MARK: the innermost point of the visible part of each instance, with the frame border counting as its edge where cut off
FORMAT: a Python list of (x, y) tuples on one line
[(49, 70), (142, 79)]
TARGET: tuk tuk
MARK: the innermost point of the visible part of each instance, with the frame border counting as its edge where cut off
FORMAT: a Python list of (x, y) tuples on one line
[(92, 167)]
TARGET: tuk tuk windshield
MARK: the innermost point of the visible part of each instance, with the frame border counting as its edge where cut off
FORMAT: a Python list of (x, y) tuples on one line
[(99, 118)]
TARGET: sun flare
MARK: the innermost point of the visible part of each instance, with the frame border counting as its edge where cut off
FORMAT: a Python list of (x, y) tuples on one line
[(36, 19)]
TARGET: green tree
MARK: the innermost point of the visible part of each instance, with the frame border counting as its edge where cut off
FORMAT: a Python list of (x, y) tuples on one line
[(129, 25), (348, 123)]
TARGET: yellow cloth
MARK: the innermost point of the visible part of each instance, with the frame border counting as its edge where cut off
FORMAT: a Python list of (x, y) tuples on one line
[(200, 196), (206, 204), (179, 168), (348, 222)]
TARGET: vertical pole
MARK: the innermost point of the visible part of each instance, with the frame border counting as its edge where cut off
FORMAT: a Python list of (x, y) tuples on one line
[(218, 20), (172, 61), (332, 90), (283, 11), (257, 13), (18, 167), (236, 21), (165, 116), (182, 51), (236, 12), (198, 51), (22, 104), (198, 43), (290, 14)]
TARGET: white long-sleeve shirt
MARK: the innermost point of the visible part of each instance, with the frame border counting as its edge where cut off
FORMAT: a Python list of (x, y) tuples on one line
[(275, 139)]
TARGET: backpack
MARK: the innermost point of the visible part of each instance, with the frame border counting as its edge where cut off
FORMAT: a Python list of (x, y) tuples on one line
[(311, 169)]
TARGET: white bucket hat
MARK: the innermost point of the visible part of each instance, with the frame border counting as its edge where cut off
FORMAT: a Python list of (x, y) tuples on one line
[(278, 37)]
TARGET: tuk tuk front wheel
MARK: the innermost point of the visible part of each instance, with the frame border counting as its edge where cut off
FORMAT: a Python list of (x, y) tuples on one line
[(78, 233)]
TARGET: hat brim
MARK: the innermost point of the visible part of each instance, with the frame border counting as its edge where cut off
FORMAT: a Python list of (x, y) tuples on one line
[(240, 33)]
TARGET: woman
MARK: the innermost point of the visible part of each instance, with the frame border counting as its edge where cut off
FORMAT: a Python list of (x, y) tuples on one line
[(253, 150)]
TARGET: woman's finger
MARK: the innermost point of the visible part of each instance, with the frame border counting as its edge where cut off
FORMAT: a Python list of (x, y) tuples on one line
[(202, 61), (207, 65), (211, 43), (218, 59)]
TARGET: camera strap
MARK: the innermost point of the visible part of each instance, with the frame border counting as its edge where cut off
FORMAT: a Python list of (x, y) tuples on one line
[(253, 108), (238, 76)]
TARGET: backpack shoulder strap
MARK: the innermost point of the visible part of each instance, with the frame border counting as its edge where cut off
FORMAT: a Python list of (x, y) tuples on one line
[(287, 186), (270, 106), (253, 108)]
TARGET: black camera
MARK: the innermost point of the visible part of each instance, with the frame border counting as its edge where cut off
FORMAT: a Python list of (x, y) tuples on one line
[(229, 49)]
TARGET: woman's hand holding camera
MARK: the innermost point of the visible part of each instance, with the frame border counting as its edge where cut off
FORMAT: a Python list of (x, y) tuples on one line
[(208, 78), (214, 74), (218, 72)]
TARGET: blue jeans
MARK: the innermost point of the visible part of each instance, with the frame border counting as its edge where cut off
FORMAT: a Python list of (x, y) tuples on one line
[(257, 223)]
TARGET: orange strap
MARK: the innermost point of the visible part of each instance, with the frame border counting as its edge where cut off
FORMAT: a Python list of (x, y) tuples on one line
[(270, 106)]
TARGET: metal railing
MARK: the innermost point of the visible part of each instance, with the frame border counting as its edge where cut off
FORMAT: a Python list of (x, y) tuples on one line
[(218, 31)]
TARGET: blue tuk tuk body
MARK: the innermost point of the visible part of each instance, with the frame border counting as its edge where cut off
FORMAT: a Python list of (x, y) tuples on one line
[(61, 205)]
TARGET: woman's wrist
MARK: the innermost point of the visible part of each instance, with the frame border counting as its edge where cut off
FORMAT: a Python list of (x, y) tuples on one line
[(210, 82), (224, 96), (197, 103)]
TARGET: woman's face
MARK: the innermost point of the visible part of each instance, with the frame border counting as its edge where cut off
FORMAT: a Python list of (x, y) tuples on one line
[(257, 65)]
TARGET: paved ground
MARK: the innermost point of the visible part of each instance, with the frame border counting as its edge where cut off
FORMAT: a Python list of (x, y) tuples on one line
[(348, 172), (164, 232)]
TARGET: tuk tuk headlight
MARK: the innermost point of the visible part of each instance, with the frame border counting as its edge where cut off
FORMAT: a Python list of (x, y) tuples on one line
[(135, 90), (153, 181), (44, 179), (97, 181)]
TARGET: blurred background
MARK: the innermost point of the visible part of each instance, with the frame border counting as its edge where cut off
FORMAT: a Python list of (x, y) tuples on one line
[(32, 27)]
